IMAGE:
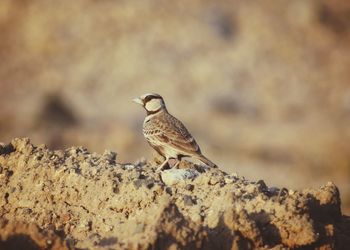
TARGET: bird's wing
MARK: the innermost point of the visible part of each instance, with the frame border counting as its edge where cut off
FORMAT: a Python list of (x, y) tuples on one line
[(171, 132)]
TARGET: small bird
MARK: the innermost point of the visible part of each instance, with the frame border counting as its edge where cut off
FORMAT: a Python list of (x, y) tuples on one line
[(166, 134)]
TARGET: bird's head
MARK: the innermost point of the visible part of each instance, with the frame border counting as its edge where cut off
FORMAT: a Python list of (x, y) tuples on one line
[(151, 102)]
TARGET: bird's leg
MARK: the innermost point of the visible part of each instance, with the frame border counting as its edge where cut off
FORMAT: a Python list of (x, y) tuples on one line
[(160, 168), (176, 164)]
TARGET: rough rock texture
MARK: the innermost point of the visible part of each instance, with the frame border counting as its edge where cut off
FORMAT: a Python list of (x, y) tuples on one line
[(86, 200), (263, 86), (16, 235)]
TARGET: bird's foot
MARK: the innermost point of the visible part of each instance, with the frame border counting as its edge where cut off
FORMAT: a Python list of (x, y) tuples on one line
[(161, 167), (176, 165)]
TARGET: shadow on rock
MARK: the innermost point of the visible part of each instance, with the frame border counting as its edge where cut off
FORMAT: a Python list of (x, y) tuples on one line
[(19, 241)]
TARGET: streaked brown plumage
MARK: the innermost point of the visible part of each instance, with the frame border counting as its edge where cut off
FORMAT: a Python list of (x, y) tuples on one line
[(166, 134)]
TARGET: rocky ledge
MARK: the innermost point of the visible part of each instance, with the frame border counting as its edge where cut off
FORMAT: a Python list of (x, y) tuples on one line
[(75, 199)]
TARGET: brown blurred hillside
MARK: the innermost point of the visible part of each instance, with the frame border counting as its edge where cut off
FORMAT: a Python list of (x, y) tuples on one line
[(264, 87)]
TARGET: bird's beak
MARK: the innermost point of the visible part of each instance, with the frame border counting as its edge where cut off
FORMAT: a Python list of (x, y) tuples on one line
[(138, 101)]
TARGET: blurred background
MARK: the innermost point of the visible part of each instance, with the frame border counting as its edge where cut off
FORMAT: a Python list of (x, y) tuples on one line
[(263, 86)]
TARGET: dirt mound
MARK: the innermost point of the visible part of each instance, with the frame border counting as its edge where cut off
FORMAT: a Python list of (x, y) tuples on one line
[(86, 200), (17, 235)]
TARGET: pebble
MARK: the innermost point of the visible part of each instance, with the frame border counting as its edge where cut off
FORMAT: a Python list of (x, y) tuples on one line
[(188, 200), (291, 192), (262, 185), (110, 156), (129, 167), (189, 187), (173, 176)]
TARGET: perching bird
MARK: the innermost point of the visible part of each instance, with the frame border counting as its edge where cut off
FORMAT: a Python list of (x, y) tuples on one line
[(166, 134)]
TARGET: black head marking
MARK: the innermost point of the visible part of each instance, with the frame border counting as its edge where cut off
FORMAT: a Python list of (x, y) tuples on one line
[(150, 97)]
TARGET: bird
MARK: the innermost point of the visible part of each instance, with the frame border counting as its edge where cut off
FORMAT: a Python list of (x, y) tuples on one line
[(166, 134)]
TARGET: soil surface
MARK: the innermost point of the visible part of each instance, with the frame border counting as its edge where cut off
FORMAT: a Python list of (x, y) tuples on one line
[(68, 199)]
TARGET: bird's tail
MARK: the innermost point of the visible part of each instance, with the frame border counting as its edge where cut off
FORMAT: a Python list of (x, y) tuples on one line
[(206, 161)]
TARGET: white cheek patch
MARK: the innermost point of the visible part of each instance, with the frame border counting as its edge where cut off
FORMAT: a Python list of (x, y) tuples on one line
[(153, 105)]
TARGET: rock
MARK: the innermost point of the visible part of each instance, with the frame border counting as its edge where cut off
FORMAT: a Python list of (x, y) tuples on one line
[(95, 205), (189, 187), (172, 177), (188, 200), (129, 167), (110, 156), (6, 149)]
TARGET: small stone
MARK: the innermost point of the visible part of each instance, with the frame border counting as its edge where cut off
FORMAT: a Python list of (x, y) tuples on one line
[(149, 183), (6, 149), (173, 176), (142, 176), (169, 190), (129, 167), (216, 178), (262, 185), (73, 151), (189, 187), (229, 179), (138, 183), (251, 188), (214, 181), (273, 190), (235, 175), (42, 146), (110, 156), (330, 184), (188, 200), (248, 196), (94, 171)]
